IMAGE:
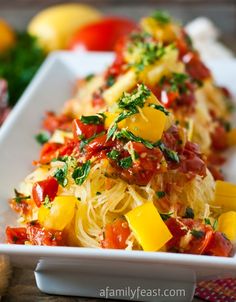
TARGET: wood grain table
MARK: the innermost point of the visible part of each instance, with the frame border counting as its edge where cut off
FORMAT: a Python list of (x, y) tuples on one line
[(18, 12)]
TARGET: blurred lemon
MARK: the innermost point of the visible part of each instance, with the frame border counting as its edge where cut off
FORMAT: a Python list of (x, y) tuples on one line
[(55, 25), (7, 36)]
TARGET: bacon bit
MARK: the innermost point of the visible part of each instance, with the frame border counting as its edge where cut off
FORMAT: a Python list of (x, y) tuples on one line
[(219, 138)]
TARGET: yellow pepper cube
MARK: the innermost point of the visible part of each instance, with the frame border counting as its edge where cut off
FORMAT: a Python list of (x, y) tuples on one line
[(148, 227), (148, 124), (60, 214), (225, 195), (110, 118), (227, 224)]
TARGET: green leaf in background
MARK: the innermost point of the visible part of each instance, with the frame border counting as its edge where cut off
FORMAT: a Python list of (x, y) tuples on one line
[(19, 64)]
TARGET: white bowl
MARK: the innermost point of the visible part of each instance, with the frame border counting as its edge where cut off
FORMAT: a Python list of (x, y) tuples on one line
[(84, 271)]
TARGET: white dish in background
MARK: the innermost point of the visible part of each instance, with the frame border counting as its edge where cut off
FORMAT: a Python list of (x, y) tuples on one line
[(83, 271)]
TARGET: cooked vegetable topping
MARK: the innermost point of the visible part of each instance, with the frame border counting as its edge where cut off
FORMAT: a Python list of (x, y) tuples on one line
[(81, 173)]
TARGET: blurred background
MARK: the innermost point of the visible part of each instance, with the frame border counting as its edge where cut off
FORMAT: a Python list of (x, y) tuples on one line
[(24, 25)]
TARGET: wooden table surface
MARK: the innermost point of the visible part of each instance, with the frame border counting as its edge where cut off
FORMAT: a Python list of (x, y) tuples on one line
[(18, 12)]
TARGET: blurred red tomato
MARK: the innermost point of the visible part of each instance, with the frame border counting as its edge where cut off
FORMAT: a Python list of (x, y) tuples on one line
[(102, 35)]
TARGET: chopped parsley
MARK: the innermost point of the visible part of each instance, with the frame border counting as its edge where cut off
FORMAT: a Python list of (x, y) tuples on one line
[(126, 162), (89, 77), (42, 137), (170, 154), (110, 81), (124, 133), (160, 108), (165, 216), (93, 119), (161, 17), (81, 173), (189, 213), (47, 203), (98, 193), (197, 233), (160, 194), (178, 82), (129, 102), (208, 222), (61, 174), (149, 53), (113, 154), (20, 197)]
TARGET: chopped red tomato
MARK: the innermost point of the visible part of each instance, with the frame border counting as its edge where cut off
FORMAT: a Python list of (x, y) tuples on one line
[(85, 130), (49, 151), (40, 236), (102, 35), (219, 245), (194, 237), (98, 101), (219, 138), (16, 235), (195, 67), (23, 206), (216, 172), (54, 122), (145, 166), (99, 147), (41, 189), (116, 235)]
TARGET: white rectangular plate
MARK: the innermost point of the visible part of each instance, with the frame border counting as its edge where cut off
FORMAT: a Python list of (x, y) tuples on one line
[(51, 87)]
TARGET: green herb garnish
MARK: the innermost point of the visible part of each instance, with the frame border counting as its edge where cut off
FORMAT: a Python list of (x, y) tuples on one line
[(124, 133), (160, 194), (160, 108), (189, 213), (81, 173), (93, 119), (98, 193), (89, 77), (61, 175), (170, 154), (42, 137), (126, 162), (165, 216), (197, 233), (161, 17), (20, 197), (113, 154), (110, 81), (208, 222), (47, 203)]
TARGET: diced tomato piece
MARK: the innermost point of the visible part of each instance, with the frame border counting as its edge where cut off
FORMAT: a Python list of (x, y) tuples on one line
[(41, 189), (16, 235), (24, 206), (216, 172), (98, 101), (219, 138), (49, 151), (40, 236), (116, 234), (85, 130), (198, 244), (195, 67), (99, 147), (219, 245), (54, 122)]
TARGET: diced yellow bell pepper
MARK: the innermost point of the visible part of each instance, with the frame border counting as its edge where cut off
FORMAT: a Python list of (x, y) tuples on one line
[(227, 224), (59, 215), (110, 118), (59, 136), (231, 137), (148, 124), (225, 195), (148, 227)]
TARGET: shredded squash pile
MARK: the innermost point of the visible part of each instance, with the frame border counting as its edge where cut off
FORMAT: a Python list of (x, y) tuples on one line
[(133, 160)]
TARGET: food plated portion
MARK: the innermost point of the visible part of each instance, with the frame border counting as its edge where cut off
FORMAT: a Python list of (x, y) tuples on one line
[(133, 160)]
